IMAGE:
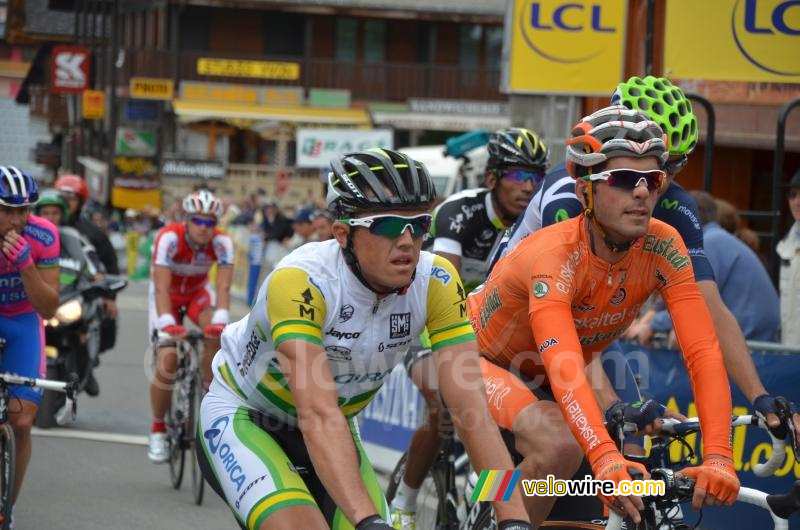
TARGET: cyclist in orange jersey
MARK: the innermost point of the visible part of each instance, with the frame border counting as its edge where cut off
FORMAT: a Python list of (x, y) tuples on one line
[(552, 305)]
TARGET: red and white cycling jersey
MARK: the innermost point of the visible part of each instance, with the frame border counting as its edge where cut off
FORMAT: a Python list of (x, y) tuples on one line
[(190, 267)]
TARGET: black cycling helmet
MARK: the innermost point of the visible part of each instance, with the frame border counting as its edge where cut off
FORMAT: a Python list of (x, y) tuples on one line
[(516, 147), (378, 179)]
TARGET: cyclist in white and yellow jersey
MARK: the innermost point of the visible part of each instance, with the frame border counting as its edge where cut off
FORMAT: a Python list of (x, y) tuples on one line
[(278, 436)]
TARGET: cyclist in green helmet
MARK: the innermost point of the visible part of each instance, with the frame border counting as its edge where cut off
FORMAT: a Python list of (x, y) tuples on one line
[(667, 105)]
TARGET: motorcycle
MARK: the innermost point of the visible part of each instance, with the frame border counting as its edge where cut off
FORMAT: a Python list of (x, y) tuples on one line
[(74, 336)]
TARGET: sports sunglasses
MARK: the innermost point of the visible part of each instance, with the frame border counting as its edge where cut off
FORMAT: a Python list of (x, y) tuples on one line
[(393, 226), (629, 179), (208, 223), (536, 176)]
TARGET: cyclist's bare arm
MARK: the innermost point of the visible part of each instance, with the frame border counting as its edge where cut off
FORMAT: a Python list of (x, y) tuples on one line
[(455, 259), (41, 286), (462, 390), (735, 352), (736, 355), (223, 286), (325, 429), (162, 277)]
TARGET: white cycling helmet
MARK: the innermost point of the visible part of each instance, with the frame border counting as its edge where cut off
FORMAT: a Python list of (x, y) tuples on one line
[(203, 202)]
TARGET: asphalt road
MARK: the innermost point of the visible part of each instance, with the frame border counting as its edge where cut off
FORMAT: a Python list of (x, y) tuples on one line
[(95, 474)]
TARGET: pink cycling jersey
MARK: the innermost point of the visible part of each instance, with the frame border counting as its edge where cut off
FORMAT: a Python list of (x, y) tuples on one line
[(42, 236)]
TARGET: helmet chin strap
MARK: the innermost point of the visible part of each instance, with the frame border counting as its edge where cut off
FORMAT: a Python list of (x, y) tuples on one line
[(589, 212), (352, 262)]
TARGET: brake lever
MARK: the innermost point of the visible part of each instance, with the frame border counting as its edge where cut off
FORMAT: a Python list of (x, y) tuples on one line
[(784, 410)]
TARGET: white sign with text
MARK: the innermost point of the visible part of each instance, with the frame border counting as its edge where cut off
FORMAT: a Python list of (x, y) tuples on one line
[(317, 147)]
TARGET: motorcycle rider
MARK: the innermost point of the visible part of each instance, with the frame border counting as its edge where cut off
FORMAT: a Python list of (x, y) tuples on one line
[(76, 194)]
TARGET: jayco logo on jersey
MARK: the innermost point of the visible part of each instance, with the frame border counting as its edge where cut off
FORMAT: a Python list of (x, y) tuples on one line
[(399, 325), (223, 450), (441, 274), (333, 332)]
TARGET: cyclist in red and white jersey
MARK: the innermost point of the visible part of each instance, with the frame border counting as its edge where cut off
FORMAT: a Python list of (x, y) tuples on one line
[(183, 254)]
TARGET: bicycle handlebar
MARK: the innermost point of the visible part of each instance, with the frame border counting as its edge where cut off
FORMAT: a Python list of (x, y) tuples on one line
[(69, 388), (678, 488), (762, 469)]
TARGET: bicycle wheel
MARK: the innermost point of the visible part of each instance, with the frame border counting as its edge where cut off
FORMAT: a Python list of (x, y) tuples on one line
[(432, 504), (484, 520), (8, 467), (196, 395), (176, 434)]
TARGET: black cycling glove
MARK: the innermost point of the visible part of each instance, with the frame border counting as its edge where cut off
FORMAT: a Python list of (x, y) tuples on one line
[(373, 522), (784, 410), (639, 414)]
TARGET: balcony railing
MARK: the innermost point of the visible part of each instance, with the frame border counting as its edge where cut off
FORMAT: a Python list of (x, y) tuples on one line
[(367, 81)]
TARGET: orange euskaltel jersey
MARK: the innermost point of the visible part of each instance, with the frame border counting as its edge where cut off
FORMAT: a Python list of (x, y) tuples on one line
[(550, 306)]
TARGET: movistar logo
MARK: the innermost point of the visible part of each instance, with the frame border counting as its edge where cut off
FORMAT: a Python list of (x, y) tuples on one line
[(669, 204)]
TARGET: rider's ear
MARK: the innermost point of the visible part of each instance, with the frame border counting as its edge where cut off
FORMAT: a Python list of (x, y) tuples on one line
[(580, 191), (491, 180), (340, 231)]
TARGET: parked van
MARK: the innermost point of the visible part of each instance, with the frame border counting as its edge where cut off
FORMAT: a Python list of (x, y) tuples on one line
[(446, 171)]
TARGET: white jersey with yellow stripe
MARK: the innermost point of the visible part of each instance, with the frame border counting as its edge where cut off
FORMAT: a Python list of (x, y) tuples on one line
[(313, 296)]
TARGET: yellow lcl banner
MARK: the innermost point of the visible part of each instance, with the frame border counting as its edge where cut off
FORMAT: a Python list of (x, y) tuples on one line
[(733, 40), (567, 47)]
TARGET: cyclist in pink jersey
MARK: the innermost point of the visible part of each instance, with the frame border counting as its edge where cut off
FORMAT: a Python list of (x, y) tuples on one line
[(29, 250)]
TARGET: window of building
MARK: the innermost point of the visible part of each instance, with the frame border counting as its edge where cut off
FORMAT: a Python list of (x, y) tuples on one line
[(424, 32), (346, 31), (494, 46), (374, 41), (469, 45), (194, 29), (284, 34), (61, 5)]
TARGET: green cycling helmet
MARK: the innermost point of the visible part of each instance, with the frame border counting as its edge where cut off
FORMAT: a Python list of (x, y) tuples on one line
[(666, 104), (51, 197)]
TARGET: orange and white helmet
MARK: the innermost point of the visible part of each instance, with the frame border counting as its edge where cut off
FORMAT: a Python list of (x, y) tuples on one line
[(203, 202)]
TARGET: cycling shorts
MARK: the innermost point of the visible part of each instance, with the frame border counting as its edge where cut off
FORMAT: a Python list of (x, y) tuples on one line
[(194, 303), (509, 394), (24, 352), (260, 465)]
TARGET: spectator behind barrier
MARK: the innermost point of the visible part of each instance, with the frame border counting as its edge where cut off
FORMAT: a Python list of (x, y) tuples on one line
[(743, 281), (789, 251)]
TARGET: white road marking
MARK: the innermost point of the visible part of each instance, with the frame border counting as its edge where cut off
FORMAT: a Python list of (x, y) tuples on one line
[(111, 437)]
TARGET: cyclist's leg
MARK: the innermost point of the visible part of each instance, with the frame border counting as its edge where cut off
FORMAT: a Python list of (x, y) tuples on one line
[(620, 373), (248, 468), (161, 384), (200, 310), (23, 355), (541, 435)]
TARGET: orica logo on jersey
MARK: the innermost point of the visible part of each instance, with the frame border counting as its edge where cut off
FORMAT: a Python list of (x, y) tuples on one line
[(441, 274), (214, 434), (544, 24), (762, 28), (224, 451)]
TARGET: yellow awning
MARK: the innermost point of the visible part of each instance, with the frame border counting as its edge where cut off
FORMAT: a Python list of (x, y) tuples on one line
[(196, 110)]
